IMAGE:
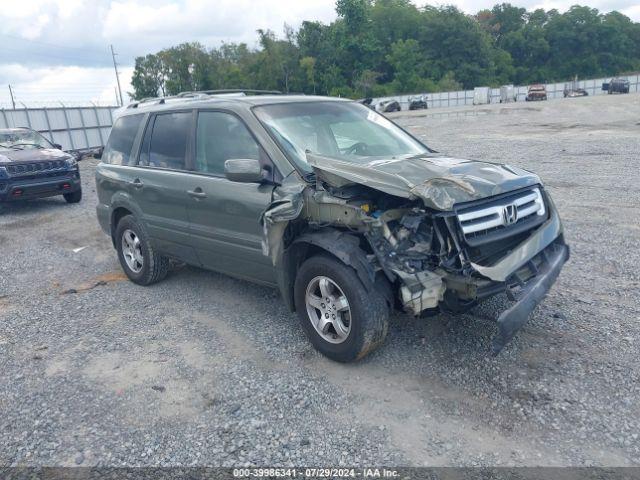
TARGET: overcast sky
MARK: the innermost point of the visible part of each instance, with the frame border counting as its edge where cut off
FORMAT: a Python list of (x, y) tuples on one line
[(53, 50)]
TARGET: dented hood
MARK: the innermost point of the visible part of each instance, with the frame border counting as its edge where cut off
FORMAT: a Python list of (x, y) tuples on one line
[(439, 181), (9, 155)]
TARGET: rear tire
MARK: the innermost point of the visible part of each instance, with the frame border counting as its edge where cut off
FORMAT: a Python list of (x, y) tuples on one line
[(140, 262), (368, 313), (73, 197)]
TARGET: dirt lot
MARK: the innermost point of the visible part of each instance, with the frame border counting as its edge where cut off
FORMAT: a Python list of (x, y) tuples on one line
[(202, 369)]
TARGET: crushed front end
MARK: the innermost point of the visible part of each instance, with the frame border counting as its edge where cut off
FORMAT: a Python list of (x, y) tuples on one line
[(443, 233), (510, 243)]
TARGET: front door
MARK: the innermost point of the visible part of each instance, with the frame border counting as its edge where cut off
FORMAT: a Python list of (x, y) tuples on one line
[(225, 215)]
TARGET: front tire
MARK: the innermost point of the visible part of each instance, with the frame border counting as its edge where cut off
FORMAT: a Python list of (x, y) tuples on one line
[(73, 197), (341, 318), (140, 262)]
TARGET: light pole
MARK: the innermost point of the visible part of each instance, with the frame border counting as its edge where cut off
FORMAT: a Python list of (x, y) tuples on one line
[(191, 68), (115, 67)]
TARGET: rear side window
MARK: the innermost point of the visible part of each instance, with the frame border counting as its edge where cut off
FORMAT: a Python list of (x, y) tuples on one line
[(120, 143), (168, 142)]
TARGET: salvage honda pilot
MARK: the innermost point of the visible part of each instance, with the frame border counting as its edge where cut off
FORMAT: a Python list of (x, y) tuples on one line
[(347, 214)]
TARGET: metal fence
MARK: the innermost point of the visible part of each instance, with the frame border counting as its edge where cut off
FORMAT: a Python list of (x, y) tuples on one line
[(465, 97), (75, 128), (84, 128)]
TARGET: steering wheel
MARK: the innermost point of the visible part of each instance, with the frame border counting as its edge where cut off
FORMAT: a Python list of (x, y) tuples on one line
[(359, 148)]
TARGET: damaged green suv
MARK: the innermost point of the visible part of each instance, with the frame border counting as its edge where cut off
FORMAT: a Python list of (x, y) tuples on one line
[(346, 213)]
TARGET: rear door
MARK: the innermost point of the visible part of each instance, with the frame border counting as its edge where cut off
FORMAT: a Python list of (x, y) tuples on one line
[(115, 172), (225, 215), (160, 184)]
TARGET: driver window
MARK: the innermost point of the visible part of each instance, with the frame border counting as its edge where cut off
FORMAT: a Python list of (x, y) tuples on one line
[(221, 136)]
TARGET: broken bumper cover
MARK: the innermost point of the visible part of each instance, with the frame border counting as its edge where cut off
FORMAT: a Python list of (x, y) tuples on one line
[(530, 295)]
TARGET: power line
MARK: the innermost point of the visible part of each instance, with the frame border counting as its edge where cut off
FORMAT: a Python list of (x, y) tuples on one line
[(65, 47), (54, 55), (46, 55)]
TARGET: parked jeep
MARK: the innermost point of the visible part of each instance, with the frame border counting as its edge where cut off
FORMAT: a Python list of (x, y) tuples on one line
[(33, 167), (536, 92), (350, 216)]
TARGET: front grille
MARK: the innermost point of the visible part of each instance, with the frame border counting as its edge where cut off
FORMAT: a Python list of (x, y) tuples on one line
[(23, 169), (502, 217)]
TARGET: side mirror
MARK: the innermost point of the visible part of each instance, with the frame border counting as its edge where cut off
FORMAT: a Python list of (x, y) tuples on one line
[(57, 146), (245, 170)]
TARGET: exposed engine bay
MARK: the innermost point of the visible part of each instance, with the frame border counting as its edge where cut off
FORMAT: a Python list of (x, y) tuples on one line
[(432, 259)]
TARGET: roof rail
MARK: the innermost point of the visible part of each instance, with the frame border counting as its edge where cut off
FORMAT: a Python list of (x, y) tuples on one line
[(202, 94), (231, 90)]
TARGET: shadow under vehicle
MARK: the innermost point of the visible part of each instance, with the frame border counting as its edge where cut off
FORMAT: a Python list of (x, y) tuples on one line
[(347, 214)]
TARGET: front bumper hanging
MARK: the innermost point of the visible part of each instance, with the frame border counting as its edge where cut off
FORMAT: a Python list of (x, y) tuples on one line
[(530, 295)]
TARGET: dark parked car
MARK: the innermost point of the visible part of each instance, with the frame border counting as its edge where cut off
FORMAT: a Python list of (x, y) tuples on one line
[(387, 106), (536, 92), (367, 102), (418, 103), (617, 85), (348, 215), (32, 167)]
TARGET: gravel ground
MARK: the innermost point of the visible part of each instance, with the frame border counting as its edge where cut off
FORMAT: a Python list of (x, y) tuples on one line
[(202, 369)]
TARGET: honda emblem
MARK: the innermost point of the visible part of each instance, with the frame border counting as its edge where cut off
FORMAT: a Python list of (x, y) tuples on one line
[(509, 214)]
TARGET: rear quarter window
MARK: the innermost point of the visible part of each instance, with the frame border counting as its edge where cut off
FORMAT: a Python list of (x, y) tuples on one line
[(120, 143)]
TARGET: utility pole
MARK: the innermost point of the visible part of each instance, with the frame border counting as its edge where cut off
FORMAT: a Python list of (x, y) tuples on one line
[(13, 101), (115, 67)]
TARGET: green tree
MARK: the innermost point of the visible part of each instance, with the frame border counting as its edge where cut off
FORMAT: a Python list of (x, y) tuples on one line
[(505, 18), (355, 13), (308, 66), (384, 47), (453, 41), (148, 77), (408, 64), (366, 82)]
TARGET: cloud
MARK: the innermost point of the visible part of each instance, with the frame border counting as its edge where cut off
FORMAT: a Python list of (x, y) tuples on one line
[(46, 86), (47, 46)]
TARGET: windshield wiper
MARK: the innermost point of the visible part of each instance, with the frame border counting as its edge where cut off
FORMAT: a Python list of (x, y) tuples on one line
[(310, 177), (19, 145)]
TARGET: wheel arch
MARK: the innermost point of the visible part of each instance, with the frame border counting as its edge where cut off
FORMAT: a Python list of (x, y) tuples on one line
[(344, 246), (117, 214), (121, 205)]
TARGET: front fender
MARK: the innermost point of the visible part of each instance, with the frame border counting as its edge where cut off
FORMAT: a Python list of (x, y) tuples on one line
[(344, 246)]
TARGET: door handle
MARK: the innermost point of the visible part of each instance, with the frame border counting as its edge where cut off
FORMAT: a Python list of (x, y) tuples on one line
[(137, 183), (197, 193)]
